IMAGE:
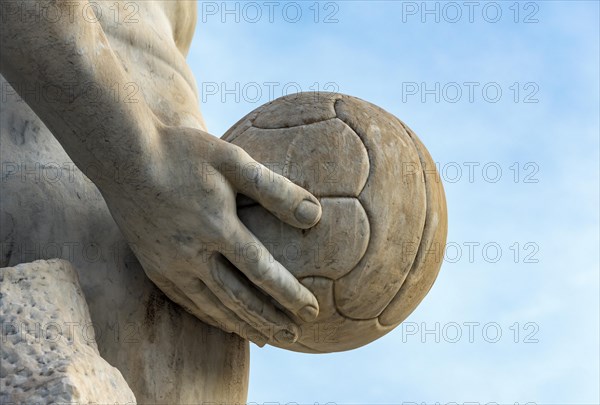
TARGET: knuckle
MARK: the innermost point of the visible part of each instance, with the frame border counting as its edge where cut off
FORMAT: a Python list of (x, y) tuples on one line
[(264, 274), (224, 234), (233, 153)]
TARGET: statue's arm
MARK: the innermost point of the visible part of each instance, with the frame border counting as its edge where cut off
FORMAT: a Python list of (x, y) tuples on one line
[(53, 64), (171, 190)]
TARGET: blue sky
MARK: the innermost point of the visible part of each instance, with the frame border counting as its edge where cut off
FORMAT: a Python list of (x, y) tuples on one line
[(541, 212)]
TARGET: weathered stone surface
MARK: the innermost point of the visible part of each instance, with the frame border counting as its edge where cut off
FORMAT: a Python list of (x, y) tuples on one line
[(295, 110), (171, 189), (331, 249), (368, 261), (170, 186), (165, 354), (49, 351), (326, 157)]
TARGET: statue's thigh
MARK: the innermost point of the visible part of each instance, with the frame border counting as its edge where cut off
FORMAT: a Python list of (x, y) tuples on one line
[(49, 209)]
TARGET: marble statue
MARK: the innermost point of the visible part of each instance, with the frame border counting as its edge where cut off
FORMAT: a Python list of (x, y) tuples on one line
[(131, 147), (107, 164)]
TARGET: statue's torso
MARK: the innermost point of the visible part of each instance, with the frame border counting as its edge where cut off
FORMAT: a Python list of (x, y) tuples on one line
[(151, 39)]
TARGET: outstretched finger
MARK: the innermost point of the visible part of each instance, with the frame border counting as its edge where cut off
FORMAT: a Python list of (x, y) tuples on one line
[(289, 202), (251, 257), (249, 303)]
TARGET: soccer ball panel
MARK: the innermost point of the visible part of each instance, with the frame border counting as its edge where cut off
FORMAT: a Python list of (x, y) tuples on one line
[(394, 200), (330, 249), (327, 158), (296, 110), (431, 249)]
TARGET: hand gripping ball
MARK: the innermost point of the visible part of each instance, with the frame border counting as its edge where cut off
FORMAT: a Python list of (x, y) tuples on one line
[(378, 247)]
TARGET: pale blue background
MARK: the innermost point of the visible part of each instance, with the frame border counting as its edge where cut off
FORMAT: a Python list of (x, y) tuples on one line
[(370, 52)]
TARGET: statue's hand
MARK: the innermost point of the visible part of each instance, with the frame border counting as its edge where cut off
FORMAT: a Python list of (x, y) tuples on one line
[(183, 226)]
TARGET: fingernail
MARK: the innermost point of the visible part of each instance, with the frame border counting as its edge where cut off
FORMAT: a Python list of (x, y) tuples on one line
[(308, 212), (308, 313), (286, 336)]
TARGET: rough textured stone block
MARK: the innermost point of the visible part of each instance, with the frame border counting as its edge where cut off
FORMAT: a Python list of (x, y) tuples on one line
[(49, 352)]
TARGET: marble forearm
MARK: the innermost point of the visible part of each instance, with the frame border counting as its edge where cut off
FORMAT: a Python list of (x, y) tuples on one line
[(108, 137)]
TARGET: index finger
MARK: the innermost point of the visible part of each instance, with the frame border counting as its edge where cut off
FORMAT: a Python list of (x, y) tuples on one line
[(287, 201)]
